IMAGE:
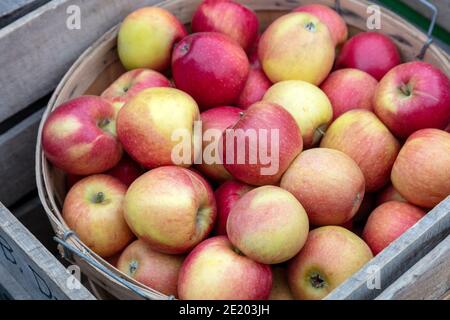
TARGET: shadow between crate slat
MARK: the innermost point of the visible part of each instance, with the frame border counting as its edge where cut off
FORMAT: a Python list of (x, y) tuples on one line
[(398, 257)]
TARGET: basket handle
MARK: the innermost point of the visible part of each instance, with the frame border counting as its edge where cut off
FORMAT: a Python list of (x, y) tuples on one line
[(434, 11), (69, 249)]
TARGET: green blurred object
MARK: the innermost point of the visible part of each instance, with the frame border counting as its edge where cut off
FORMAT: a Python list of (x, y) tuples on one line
[(416, 18)]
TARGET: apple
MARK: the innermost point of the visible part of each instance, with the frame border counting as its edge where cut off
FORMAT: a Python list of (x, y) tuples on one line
[(211, 67), (127, 170), (336, 25), (389, 193), (362, 136), (349, 89), (297, 46), (448, 128), (317, 171), (215, 270), (309, 106), (79, 136), (372, 52), (131, 83), (421, 172), (388, 222), (280, 285), (228, 17), (93, 208), (413, 96), (226, 197), (253, 54), (146, 38), (268, 225), (214, 123), (259, 148), (256, 86), (147, 124), (171, 208), (156, 270), (331, 255)]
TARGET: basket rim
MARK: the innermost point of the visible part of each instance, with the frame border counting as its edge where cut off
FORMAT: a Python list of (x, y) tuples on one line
[(42, 165)]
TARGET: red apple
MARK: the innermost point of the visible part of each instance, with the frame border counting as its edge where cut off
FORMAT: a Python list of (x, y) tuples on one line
[(389, 193), (421, 172), (388, 222), (255, 88), (317, 171), (330, 256), (131, 83), (147, 125), (262, 144), (171, 208), (362, 136), (268, 225), (371, 52), (146, 38), (280, 285), (253, 54), (215, 270), (228, 17), (413, 96), (336, 25), (93, 208), (79, 137), (349, 89), (214, 123), (226, 197), (297, 46), (127, 170), (158, 271), (211, 67)]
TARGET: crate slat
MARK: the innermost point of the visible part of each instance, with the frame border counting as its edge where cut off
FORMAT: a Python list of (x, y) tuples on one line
[(398, 257), (11, 10), (428, 279), (17, 158), (9, 288), (40, 47), (32, 266)]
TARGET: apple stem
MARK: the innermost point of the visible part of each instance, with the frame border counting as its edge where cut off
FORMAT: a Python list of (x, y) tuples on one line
[(99, 197), (133, 267), (103, 123), (406, 89)]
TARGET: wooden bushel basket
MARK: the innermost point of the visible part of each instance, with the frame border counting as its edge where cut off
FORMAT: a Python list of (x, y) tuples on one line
[(99, 66)]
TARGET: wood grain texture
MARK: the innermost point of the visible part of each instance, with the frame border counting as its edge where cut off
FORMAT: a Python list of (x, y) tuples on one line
[(11, 10), (428, 279), (31, 265), (17, 148), (398, 257), (40, 47), (10, 289)]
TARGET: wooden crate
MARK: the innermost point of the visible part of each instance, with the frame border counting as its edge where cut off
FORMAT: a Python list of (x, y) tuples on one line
[(28, 270)]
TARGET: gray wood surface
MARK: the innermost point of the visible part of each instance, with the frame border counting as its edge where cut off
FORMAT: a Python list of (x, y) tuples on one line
[(41, 48), (11, 10), (428, 279), (32, 266), (10, 289), (398, 257), (17, 157)]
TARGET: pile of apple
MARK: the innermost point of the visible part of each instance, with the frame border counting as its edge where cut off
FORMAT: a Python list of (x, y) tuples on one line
[(363, 153)]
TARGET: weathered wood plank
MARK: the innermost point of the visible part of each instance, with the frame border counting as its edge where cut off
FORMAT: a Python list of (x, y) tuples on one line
[(17, 158), (428, 279), (32, 266), (398, 257), (39, 47), (11, 10), (9, 288)]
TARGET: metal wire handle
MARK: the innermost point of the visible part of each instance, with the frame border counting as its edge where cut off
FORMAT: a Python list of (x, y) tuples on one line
[(434, 10), (73, 250)]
